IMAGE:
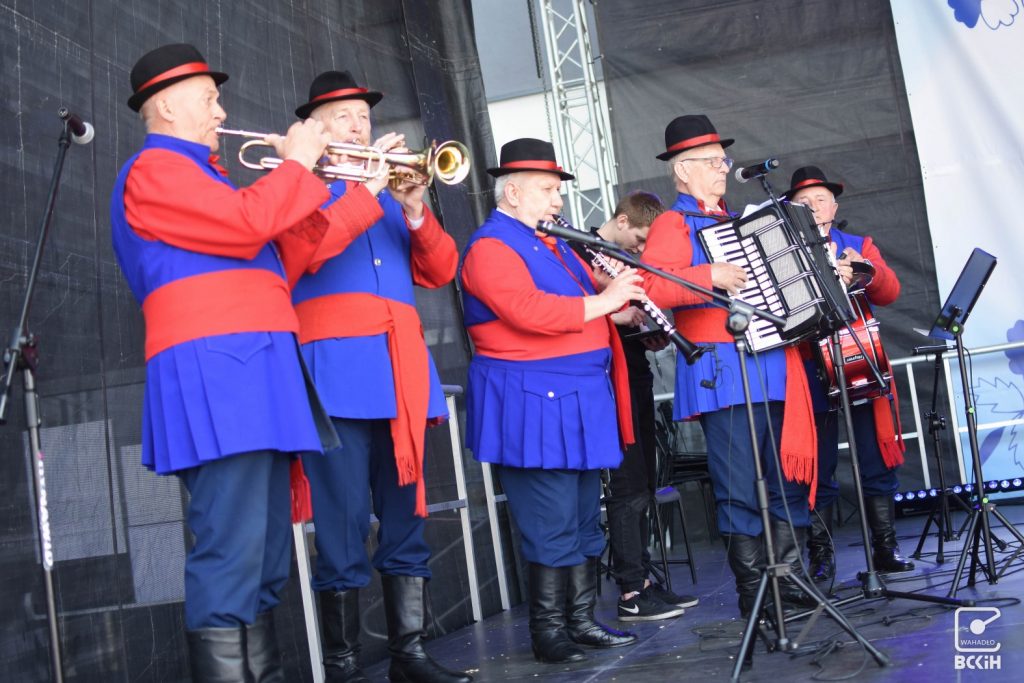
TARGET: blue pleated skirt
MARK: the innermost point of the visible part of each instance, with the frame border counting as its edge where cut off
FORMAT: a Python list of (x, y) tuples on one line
[(556, 413), (767, 373), (224, 395)]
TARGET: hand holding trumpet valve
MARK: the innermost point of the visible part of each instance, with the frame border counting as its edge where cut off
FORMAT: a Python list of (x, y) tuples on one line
[(406, 191), (305, 143), (386, 143)]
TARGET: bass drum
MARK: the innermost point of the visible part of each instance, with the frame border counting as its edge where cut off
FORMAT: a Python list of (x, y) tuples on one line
[(861, 383)]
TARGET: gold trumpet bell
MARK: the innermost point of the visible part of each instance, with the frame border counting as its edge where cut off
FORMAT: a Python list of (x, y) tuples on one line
[(448, 162)]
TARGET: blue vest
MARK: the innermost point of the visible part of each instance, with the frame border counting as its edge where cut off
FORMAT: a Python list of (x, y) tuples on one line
[(722, 366), (209, 398), (553, 413), (548, 272), (353, 375)]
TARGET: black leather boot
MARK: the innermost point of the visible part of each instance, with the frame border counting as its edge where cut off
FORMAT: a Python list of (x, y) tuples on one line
[(819, 544), (262, 651), (746, 559), (881, 512), (548, 633), (339, 628), (580, 600), (405, 611), (787, 550), (217, 655)]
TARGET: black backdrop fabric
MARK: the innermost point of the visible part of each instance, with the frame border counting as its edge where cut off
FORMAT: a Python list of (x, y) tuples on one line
[(117, 529), (806, 81)]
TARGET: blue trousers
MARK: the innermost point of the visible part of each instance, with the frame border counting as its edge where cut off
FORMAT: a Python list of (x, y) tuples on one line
[(876, 478), (731, 465), (240, 514), (558, 513), (340, 484)]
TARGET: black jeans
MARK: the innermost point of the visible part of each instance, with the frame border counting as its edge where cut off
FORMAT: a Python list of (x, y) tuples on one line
[(632, 486)]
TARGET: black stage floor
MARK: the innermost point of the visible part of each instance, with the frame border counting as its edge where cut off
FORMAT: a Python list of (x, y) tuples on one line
[(918, 637)]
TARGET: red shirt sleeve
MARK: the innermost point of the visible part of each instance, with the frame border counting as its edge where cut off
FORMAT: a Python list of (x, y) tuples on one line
[(297, 245), (171, 199), (885, 287), (350, 216), (494, 273), (670, 249), (434, 255)]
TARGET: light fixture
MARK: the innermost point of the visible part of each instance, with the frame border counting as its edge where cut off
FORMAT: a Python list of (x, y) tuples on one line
[(995, 485)]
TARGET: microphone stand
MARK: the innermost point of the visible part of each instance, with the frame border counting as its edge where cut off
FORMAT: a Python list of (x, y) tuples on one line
[(22, 353), (740, 314)]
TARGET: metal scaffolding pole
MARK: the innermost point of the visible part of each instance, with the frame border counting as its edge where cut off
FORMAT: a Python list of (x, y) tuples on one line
[(582, 130)]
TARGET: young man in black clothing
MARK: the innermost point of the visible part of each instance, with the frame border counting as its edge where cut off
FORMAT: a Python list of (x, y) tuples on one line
[(633, 484)]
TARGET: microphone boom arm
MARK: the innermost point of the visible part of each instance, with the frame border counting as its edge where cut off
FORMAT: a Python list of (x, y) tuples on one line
[(610, 249)]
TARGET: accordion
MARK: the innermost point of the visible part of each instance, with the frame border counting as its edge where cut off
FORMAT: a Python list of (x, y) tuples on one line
[(780, 277)]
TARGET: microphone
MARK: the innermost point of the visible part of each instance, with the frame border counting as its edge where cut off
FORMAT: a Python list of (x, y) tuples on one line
[(935, 348), (82, 132), (756, 171), (572, 234)]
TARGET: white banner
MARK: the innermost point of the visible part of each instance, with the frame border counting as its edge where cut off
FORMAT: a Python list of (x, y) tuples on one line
[(963, 62)]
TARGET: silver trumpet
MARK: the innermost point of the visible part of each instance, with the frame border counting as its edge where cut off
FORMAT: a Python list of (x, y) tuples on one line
[(690, 351), (447, 162)]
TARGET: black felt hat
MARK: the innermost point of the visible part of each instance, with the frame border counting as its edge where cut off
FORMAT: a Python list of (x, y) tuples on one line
[(335, 85), (687, 132), (529, 154), (811, 176), (165, 66)]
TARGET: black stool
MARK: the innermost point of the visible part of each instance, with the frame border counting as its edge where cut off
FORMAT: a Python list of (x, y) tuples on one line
[(683, 468), (669, 495)]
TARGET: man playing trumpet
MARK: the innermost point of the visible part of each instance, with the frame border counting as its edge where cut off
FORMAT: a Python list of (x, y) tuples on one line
[(225, 403), (363, 342)]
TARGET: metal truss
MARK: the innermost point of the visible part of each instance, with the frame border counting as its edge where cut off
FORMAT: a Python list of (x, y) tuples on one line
[(581, 123)]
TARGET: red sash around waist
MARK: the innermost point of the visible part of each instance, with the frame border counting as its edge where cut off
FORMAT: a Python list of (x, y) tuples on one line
[(220, 302), (620, 381), (360, 315)]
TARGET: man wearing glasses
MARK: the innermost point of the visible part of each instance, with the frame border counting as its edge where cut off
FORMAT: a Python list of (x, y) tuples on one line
[(879, 449), (711, 389)]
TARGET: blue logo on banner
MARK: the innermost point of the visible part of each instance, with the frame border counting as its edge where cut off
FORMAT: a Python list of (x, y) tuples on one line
[(994, 13)]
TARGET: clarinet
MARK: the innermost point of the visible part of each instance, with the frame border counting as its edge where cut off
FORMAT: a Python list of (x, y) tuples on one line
[(690, 351)]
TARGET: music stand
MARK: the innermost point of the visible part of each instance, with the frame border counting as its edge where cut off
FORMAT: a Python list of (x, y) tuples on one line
[(949, 324)]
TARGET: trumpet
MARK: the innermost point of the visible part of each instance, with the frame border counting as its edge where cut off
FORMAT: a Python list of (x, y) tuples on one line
[(448, 162), (690, 351)]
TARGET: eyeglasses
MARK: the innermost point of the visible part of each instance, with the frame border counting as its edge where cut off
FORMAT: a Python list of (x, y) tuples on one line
[(713, 162), (816, 201)]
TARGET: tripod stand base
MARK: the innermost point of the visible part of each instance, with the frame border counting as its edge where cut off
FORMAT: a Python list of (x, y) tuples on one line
[(977, 526), (873, 588), (783, 643)]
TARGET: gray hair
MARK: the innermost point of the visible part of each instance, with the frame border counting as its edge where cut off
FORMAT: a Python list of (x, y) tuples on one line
[(499, 185), (672, 166)]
